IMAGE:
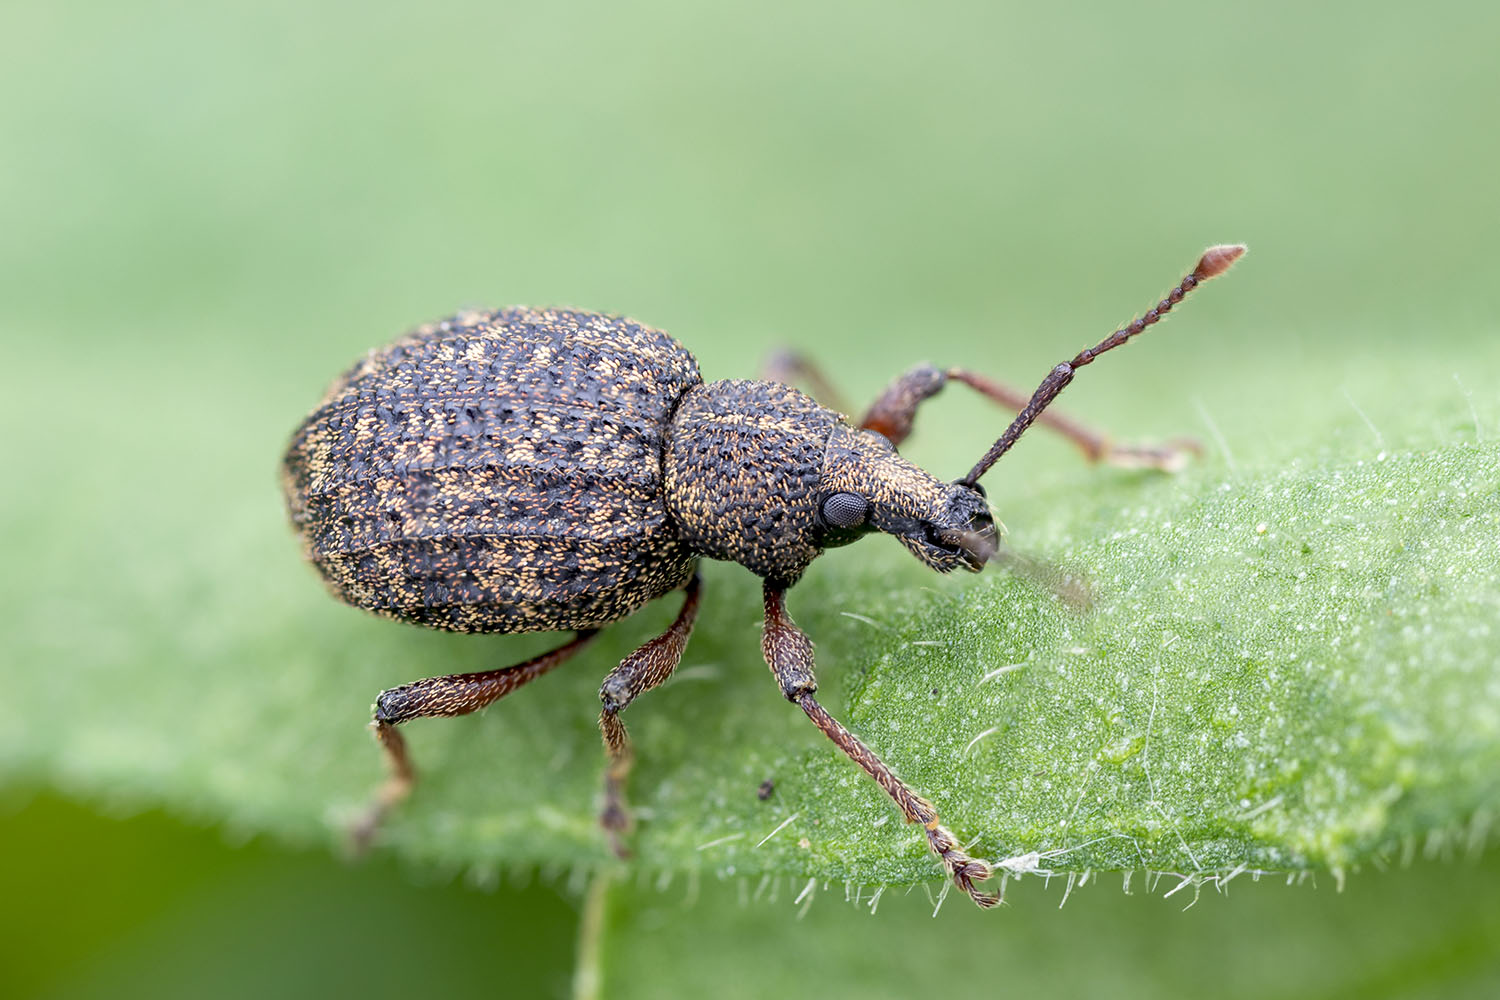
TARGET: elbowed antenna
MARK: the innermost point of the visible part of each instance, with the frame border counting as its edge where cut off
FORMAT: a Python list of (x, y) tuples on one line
[(1214, 262)]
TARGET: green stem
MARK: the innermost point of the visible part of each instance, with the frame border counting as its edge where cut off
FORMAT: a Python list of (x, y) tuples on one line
[(587, 978)]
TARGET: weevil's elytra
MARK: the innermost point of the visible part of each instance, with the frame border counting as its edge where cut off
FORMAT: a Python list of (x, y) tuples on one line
[(553, 470), (497, 472)]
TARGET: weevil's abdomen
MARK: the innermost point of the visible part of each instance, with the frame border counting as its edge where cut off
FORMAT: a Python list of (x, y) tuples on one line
[(496, 472)]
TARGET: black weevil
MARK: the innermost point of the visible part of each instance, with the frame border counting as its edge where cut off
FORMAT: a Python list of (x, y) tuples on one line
[(532, 471)]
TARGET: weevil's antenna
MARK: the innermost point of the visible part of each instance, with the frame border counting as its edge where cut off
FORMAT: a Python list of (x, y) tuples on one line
[(1214, 262)]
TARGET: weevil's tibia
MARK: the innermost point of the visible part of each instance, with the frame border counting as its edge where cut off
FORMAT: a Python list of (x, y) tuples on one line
[(789, 654), (1214, 262), (447, 696), (639, 672)]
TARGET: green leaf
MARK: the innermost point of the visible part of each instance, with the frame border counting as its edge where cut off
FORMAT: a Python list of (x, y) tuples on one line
[(1283, 669), (1428, 931), (157, 909)]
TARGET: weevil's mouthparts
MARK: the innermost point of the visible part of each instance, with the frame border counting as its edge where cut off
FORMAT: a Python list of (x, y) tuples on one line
[(973, 548), (1214, 262)]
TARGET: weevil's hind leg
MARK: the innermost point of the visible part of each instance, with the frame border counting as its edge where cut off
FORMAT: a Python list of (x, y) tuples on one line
[(789, 653), (639, 672), (451, 695), (795, 369), (893, 413)]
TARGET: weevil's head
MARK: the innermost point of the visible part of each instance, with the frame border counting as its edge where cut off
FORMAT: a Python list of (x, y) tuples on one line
[(760, 474), (866, 486)]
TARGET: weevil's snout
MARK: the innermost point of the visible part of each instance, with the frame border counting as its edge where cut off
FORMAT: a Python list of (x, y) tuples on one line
[(961, 535), (867, 486)]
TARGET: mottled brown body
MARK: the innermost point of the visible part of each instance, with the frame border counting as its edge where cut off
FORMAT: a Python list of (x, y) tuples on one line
[(497, 472), (525, 470)]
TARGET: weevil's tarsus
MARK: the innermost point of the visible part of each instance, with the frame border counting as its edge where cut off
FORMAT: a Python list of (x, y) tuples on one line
[(1215, 261), (391, 793), (447, 696), (789, 653), (638, 673)]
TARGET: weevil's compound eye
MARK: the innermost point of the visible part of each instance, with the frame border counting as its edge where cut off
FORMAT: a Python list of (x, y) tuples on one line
[(845, 510)]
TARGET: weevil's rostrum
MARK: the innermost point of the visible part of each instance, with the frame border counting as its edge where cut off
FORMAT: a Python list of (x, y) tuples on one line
[(528, 471)]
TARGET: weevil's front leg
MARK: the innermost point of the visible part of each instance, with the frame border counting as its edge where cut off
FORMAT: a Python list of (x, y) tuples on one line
[(789, 653), (894, 411), (451, 695), (639, 672)]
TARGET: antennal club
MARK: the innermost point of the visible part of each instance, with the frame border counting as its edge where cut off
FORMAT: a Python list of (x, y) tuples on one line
[(1214, 262)]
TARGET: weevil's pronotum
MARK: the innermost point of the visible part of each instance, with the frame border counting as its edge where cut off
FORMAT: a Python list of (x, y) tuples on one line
[(531, 471)]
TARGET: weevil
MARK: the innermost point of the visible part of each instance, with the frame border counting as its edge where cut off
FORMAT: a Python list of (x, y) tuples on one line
[(538, 471)]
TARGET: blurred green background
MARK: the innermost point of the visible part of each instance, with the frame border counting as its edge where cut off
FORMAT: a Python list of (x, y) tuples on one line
[(208, 210)]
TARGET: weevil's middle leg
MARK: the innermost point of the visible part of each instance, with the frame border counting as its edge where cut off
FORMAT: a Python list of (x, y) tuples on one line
[(638, 673), (789, 653), (451, 695)]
